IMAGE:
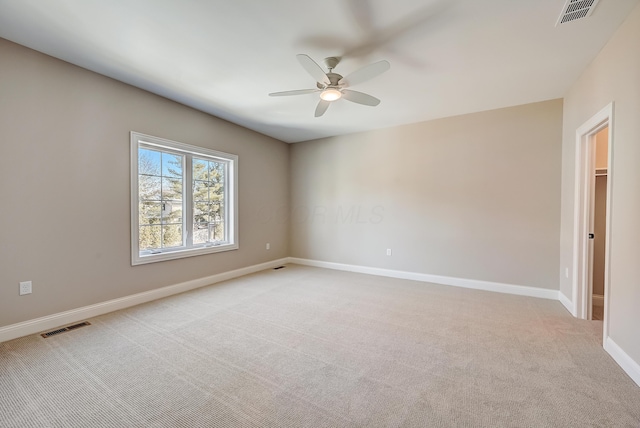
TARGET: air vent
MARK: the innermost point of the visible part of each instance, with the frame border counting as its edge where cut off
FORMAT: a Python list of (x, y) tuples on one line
[(576, 9), (65, 329)]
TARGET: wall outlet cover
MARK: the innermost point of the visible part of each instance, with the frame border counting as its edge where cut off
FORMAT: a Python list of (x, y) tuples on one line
[(25, 287)]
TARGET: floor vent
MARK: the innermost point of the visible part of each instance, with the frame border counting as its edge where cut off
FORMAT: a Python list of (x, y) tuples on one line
[(65, 329), (576, 9), (279, 267)]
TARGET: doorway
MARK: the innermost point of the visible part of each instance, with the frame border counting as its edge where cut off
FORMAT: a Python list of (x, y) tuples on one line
[(598, 222), (594, 148)]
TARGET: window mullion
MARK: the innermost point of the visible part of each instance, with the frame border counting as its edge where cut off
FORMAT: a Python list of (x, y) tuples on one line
[(228, 189), (187, 200)]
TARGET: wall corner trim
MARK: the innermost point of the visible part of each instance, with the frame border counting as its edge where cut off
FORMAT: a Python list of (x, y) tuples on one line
[(567, 303), (520, 290), (25, 328), (630, 367)]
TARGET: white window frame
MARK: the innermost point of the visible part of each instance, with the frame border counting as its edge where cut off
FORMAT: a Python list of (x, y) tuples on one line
[(188, 249)]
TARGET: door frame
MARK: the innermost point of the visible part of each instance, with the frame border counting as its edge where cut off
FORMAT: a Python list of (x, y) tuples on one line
[(583, 202)]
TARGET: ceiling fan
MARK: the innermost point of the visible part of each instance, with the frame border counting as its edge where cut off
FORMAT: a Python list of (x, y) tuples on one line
[(333, 86)]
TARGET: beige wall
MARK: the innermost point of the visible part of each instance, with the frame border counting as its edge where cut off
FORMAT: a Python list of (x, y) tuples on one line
[(613, 76), (474, 196), (64, 175)]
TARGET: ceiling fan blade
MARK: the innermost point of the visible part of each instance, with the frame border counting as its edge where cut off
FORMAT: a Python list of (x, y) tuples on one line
[(378, 38), (362, 13), (365, 73), (360, 98), (296, 92), (313, 69), (322, 107)]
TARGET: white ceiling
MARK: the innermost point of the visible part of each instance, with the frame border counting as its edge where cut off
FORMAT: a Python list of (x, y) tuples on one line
[(448, 57)]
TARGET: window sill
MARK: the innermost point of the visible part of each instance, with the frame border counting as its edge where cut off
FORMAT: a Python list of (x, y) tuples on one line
[(180, 254)]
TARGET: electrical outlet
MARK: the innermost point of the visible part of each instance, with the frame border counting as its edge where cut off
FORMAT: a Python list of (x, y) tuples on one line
[(388, 251), (268, 246), (25, 287)]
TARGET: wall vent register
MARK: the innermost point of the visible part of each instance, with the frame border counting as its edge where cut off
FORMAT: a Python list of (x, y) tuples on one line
[(65, 329), (576, 9)]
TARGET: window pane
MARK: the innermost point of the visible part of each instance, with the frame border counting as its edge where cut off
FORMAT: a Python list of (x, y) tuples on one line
[(217, 212), (149, 187), (200, 233), (216, 193), (200, 169), (200, 191), (149, 213), (171, 165), (148, 162), (216, 170), (217, 178), (171, 212), (209, 216), (149, 237), (172, 235), (201, 213), (202, 224), (214, 209), (172, 189), (217, 230)]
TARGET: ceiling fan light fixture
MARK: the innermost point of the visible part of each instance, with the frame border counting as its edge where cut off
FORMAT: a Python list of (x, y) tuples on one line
[(331, 94)]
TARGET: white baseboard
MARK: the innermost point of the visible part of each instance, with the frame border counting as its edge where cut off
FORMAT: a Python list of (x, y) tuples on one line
[(48, 322), (568, 304), (520, 290), (597, 300), (623, 359)]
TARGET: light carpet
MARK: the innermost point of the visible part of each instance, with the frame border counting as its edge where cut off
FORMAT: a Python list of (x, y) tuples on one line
[(309, 347)]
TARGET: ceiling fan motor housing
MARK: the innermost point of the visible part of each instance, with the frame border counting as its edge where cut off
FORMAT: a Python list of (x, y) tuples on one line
[(334, 78), (332, 62)]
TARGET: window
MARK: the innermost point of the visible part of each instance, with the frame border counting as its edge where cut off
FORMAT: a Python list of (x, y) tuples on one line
[(183, 200)]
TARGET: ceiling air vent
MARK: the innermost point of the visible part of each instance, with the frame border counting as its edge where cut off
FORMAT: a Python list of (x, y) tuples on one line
[(576, 9)]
